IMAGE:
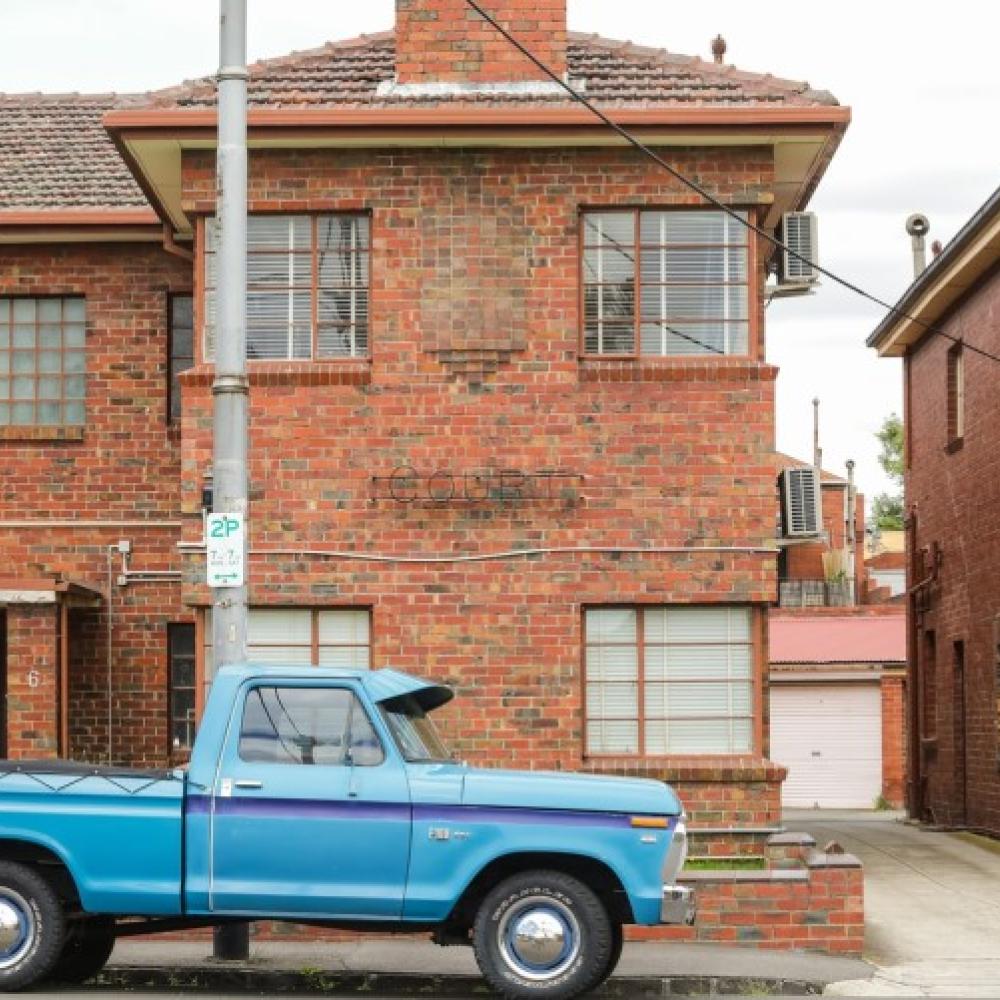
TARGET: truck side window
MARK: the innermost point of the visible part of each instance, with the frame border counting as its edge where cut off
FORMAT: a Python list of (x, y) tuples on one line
[(294, 725)]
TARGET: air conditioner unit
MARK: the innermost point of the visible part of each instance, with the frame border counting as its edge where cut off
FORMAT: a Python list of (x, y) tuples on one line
[(800, 496), (799, 232)]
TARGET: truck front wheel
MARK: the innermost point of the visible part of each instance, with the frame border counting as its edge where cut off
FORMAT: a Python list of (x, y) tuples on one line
[(32, 927), (88, 947), (543, 934)]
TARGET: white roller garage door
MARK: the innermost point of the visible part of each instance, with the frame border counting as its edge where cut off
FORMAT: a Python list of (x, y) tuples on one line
[(829, 736)]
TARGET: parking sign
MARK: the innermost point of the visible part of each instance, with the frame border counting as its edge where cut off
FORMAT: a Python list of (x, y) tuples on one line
[(226, 546)]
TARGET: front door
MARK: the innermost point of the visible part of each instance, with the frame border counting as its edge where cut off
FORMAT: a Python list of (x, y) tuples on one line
[(310, 811)]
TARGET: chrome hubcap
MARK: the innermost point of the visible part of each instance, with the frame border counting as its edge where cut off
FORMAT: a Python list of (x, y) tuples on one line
[(539, 938), (17, 928)]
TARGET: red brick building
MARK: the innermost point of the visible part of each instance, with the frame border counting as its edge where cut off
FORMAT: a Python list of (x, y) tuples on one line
[(836, 663), (952, 464), (511, 420)]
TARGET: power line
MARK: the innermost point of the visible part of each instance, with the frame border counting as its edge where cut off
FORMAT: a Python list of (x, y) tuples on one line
[(711, 199)]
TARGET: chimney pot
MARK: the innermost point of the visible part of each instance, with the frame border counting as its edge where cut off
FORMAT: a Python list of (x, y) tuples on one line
[(718, 48)]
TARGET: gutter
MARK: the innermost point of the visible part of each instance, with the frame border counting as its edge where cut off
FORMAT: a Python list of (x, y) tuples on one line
[(478, 116), (935, 272)]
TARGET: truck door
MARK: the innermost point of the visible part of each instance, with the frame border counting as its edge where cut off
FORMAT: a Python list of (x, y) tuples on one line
[(310, 813)]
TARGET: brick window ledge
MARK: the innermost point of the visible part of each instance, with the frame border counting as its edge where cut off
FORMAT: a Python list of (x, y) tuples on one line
[(596, 369), (42, 433), (272, 373)]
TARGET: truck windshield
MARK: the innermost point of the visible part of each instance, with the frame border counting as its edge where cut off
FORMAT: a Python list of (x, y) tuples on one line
[(413, 731)]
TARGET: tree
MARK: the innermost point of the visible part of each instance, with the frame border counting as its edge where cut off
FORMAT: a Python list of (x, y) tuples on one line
[(890, 437), (887, 508)]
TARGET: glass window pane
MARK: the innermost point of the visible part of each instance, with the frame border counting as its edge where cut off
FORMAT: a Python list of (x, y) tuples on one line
[(74, 335), (49, 414), (75, 386), (73, 413), (296, 725), (24, 388), (606, 265), (22, 414), (289, 626), (609, 228), (50, 388), (611, 625), (344, 657), (74, 310), (612, 736), (182, 311), (24, 336), (344, 626), (49, 361), (74, 362), (24, 310), (49, 310), (4, 414), (4, 362)]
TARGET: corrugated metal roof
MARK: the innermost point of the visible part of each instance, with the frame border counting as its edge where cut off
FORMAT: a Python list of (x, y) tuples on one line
[(839, 639)]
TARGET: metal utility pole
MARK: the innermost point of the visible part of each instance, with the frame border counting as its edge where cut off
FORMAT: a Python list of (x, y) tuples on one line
[(230, 388)]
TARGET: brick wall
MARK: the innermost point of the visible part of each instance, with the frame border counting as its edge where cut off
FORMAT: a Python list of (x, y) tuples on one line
[(956, 496), (669, 453), (446, 41), (123, 467)]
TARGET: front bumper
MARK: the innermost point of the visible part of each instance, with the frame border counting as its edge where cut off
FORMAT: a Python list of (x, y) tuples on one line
[(678, 906)]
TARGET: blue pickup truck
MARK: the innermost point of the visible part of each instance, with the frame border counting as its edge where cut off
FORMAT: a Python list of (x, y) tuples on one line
[(326, 797)]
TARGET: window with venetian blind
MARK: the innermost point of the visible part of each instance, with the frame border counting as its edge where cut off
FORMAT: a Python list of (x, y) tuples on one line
[(307, 286), (668, 680), (318, 637), (665, 283)]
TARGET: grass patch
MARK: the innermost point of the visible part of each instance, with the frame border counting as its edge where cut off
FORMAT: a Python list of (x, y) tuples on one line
[(749, 864)]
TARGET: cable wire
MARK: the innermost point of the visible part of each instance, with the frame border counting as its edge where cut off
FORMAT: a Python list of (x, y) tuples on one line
[(710, 198)]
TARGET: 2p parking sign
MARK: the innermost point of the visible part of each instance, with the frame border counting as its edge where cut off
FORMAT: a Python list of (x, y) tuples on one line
[(226, 550)]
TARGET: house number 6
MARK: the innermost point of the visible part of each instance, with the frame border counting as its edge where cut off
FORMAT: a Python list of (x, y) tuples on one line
[(33, 679)]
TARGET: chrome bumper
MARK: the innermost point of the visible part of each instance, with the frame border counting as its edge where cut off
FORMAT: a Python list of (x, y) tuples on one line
[(678, 906)]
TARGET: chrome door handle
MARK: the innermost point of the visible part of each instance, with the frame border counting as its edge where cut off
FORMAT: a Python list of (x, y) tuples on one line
[(249, 784)]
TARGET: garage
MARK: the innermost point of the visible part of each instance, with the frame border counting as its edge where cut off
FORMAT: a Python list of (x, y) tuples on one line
[(829, 736)]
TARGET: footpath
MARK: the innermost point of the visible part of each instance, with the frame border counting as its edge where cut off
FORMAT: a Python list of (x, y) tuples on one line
[(408, 967)]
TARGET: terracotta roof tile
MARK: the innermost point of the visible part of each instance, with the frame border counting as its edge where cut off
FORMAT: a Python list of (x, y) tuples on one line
[(610, 72), (56, 155)]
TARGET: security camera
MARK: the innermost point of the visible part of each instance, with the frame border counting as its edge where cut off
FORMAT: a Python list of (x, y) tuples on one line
[(918, 225)]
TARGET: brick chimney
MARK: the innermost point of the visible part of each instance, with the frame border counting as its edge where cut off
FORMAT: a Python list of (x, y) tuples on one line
[(446, 41)]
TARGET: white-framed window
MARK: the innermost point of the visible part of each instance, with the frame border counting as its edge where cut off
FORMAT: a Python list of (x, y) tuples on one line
[(43, 362), (307, 286), (664, 283), (318, 637), (668, 680)]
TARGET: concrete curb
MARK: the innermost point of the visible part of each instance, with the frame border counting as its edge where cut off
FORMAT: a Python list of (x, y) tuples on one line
[(213, 979)]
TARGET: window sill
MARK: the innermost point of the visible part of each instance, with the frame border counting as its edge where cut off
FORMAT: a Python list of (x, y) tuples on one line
[(46, 433), (956, 444), (731, 368), (689, 767), (353, 371)]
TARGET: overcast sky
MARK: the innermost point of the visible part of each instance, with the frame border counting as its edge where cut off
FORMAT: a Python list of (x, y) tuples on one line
[(920, 78)]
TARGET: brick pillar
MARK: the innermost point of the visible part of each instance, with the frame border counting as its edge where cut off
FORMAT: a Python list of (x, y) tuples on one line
[(445, 41), (32, 680), (893, 740)]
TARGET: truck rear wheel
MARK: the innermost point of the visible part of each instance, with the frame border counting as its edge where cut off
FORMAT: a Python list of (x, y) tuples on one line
[(32, 927), (543, 934), (88, 947)]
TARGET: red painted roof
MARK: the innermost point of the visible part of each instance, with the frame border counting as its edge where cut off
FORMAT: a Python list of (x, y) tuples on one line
[(842, 639)]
